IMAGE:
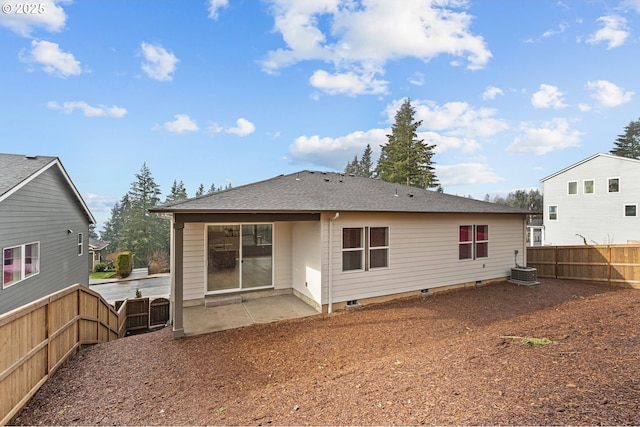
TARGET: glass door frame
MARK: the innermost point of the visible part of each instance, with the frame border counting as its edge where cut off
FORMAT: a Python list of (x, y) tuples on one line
[(240, 255)]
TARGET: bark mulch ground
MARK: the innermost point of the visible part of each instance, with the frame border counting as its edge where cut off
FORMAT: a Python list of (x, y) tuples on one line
[(561, 353)]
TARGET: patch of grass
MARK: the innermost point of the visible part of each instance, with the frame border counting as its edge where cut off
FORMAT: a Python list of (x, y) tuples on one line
[(102, 275)]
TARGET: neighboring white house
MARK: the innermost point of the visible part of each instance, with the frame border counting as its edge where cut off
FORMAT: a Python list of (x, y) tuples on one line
[(595, 200), (333, 240)]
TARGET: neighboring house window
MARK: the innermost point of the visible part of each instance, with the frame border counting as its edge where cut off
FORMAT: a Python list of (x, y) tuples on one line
[(80, 245), (553, 212), (378, 247), (614, 185), (588, 186), (465, 242), (572, 187), (631, 210), (19, 263), (352, 249)]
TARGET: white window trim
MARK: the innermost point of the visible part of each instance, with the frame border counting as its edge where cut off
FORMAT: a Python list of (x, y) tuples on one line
[(366, 248), (584, 182), (608, 184), (467, 242), (80, 244), (624, 210), (360, 249), (22, 264), (370, 248), (549, 212), (577, 189), (475, 241)]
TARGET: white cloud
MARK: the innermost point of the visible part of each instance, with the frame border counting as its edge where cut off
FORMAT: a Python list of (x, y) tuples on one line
[(615, 31), (550, 136), (244, 127), (361, 37), (561, 29), (348, 83), (631, 4), (608, 94), (181, 124), (88, 110), (53, 60), (49, 16), (417, 79), (466, 174), (335, 153), (215, 6), (491, 92), (158, 63), (548, 97)]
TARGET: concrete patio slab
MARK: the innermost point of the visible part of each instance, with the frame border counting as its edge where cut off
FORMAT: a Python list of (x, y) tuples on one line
[(200, 319)]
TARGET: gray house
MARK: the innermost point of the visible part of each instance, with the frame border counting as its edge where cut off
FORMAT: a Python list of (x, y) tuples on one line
[(335, 240), (44, 230)]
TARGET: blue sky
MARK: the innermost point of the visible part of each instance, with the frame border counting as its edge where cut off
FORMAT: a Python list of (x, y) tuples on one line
[(233, 91)]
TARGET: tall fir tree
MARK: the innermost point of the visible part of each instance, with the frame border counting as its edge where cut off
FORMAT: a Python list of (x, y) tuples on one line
[(405, 159), (178, 193), (362, 167), (114, 227), (628, 144)]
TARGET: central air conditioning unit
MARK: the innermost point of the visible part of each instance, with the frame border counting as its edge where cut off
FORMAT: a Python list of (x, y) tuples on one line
[(527, 276)]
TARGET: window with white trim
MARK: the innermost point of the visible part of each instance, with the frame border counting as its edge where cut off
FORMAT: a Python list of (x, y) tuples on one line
[(572, 187), (553, 212), (80, 244), (631, 210), (19, 263), (588, 186), (473, 241), (365, 248), (614, 185)]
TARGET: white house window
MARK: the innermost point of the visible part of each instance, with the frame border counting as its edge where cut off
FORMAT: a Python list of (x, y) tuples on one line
[(572, 187), (352, 249), (588, 186), (378, 247), (614, 185), (553, 212), (80, 245), (465, 242), (631, 210), (482, 241), (19, 263)]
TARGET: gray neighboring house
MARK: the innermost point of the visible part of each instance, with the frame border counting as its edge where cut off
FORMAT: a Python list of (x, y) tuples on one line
[(44, 230), (335, 240)]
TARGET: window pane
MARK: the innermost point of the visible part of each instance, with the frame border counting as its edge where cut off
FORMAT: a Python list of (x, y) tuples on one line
[(31, 259), (379, 236), (11, 265), (482, 250), (351, 238), (553, 212), (352, 260), (630, 210), (614, 185), (573, 187), (466, 233), (465, 251), (482, 232), (588, 187), (379, 258)]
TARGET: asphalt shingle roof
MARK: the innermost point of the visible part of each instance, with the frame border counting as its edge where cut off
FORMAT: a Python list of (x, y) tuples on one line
[(16, 168), (311, 191)]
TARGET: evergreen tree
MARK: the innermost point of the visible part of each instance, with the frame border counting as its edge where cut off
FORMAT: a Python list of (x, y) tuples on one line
[(362, 167), (213, 189), (628, 144), (178, 193), (200, 191), (405, 159), (352, 166), (114, 227), (144, 232)]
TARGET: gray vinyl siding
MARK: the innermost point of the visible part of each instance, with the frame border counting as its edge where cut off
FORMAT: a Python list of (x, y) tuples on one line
[(423, 253), (42, 211), (599, 217)]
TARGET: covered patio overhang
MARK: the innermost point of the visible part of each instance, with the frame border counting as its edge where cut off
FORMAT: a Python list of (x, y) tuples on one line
[(243, 312)]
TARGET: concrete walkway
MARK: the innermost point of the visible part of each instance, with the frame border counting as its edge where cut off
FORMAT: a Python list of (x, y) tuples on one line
[(200, 319)]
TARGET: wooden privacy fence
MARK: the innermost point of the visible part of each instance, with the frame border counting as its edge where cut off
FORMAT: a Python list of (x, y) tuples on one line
[(614, 264), (36, 339)]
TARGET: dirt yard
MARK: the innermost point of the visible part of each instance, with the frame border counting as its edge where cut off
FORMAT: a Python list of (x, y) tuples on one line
[(451, 358)]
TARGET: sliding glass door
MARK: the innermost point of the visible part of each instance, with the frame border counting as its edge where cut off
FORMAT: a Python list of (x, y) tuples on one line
[(239, 256)]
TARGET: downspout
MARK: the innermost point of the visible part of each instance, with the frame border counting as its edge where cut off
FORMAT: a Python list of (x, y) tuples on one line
[(336, 216)]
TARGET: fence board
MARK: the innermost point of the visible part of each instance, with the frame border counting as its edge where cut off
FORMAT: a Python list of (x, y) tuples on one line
[(613, 264)]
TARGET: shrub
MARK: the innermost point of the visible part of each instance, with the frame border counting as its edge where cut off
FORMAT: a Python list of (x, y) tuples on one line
[(100, 267), (124, 264)]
